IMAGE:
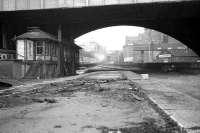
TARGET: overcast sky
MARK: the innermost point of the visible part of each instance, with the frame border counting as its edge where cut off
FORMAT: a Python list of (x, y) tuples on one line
[(113, 38)]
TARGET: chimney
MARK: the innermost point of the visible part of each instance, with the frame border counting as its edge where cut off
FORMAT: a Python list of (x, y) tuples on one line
[(33, 28)]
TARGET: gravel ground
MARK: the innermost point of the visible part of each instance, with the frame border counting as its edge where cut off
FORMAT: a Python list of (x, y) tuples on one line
[(96, 104)]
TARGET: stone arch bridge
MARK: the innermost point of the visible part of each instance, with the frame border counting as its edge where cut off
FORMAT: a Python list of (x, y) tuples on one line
[(179, 19)]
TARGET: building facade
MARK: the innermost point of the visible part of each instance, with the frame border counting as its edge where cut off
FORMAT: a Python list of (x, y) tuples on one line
[(114, 57), (86, 57), (93, 47), (153, 46), (91, 52)]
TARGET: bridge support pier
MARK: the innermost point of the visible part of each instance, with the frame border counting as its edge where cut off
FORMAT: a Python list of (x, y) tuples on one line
[(73, 69)]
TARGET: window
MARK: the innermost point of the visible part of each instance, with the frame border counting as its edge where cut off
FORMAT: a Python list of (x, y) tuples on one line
[(50, 49), (20, 49), (47, 49), (165, 39), (56, 52), (53, 49), (39, 48), (30, 48)]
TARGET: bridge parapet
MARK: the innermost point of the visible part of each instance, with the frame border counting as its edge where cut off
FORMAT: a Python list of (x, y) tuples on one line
[(12, 5)]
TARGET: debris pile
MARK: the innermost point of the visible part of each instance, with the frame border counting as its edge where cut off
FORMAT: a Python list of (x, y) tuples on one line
[(108, 87)]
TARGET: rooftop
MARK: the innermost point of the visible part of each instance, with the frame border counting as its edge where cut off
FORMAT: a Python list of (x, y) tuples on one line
[(36, 34)]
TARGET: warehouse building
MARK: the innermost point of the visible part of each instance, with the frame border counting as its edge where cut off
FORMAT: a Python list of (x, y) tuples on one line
[(152, 46)]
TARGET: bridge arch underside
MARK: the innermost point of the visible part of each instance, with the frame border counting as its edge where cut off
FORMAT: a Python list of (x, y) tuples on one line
[(180, 20)]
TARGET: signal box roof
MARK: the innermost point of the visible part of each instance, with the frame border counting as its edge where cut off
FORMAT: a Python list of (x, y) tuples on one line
[(36, 34)]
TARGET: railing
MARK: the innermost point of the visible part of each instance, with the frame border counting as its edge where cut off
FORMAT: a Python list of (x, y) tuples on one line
[(6, 5)]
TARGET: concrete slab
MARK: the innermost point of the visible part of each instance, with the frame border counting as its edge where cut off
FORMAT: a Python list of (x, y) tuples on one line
[(131, 75), (182, 108)]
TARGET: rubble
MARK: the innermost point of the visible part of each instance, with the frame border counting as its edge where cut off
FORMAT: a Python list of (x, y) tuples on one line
[(57, 126), (38, 100), (53, 84), (48, 100), (137, 97)]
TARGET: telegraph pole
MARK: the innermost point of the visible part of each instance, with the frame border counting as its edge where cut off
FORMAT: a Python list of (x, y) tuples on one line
[(60, 66)]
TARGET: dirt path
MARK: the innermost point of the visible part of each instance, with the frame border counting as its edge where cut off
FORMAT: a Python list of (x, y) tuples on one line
[(93, 104)]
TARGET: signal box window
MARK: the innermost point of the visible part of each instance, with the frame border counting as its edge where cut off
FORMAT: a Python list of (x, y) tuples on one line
[(39, 48)]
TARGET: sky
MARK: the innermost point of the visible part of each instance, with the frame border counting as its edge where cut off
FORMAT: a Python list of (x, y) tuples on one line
[(112, 38)]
